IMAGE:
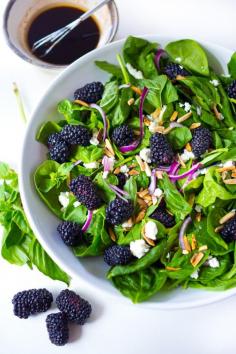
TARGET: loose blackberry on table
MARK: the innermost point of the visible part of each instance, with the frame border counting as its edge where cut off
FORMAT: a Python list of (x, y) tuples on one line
[(58, 330), (90, 93), (122, 135), (30, 302), (161, 150), (172, 70), (59, 152), (118, 211), (201, 141), (231, 90), (228, 232), (76, 135), (86, 192), (116, 255), (70, 233), (75, 307)]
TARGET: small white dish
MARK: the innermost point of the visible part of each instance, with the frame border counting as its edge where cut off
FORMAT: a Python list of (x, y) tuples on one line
[(44, 223)]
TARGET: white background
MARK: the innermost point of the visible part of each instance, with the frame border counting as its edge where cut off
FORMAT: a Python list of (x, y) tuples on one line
[(114, 328)]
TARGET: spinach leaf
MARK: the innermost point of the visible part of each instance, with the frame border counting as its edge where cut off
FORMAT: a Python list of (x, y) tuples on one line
[(87, 154), (131, 188), (191, 54), (110, 68), (103, 185), (47, 129), (232, 66), (142, 285), (155, 86), (110, 96), (179, 137), (121, 110)]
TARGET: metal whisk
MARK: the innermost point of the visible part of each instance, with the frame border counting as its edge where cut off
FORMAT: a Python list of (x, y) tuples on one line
[(55, 37)]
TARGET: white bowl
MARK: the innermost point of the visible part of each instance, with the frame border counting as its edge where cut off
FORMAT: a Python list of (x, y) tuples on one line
[(44, 223)]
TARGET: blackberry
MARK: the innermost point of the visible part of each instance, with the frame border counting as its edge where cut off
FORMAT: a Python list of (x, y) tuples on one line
[(57, 326), (162, 215), (228, 233), (90, 93), (118, 211), (70, 233), (76, 135), (122, 135), (161, 151), (121, 179), (75, 307), (115, 255), (172, 70), (54, 139), (201, 141), (59, 152), (231, 90), (30, 302), (86, 192)]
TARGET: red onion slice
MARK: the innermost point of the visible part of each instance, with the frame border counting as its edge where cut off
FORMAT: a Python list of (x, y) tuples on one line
[(182, 231), (153, 184), (142, 99), (88, 221), (185, 174), (104, 118), (130, 147), (159, 54), (76, 163), (119, 192), (174, 168)]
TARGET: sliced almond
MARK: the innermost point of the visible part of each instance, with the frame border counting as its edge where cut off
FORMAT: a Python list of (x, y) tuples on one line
[(142, 203), (185, 252), (188, 147), (172, 268), (108, 153), (230, 181), (149, 241), (167, 130), (117, 170), (81, 103), (143, 193), (180, 77), (233, 174), (159, 174), (156, 113), (216, 112), (203, 248), (136, 90), (226, 168), (218, 228), (194, 126), (193, 242), (140, 216), (174, 116), (184, 117), (154, 200), (148, 198), (196, 259), (187, 244), (109, 147), (100, 135), (112, 234), (130, 101), (227, 217), (181, 161), (159, 129), (146, 121), (133, 172), (140, 162), (133, 165), (147, 169)]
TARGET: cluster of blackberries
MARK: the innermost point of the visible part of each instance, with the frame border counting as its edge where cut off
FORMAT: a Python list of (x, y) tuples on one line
[(90, 93), (72, 308), (59, 144)]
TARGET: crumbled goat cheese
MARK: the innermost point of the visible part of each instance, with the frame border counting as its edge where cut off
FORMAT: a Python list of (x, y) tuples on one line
[(152, 127), (105, 174), (221, 117), (92, 165), (186, 106), (64, 199), (178, 59), (199, 110), (150, 230), (187, 155), (94, 141), (164, 108), (127, 224), (198, 208), (145, 155), (168, 255), (214, 82), (229, 163), (124, 169), (138, 248), (195, 274), (158, 192), (212, 262), (76, 204), (137, 74)]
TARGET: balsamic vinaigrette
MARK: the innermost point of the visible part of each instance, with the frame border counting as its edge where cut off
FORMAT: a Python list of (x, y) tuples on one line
[(78, 42)]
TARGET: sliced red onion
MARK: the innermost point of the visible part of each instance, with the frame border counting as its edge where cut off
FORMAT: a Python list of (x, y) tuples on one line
[(88, 221), (118, 192), (108, 163), (175, 125), (121, 191), (104, 118), (153, 184), (159, 54), (76, 163), (185, 174), (124, 86), (130, 147), (182, 231), (174, 168), (163, 168)]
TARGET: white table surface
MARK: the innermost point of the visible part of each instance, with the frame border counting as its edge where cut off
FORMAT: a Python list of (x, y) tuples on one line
[(114, 328)]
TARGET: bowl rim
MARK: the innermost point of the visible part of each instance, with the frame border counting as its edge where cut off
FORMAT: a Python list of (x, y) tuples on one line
[(221, 295), (113, 9)]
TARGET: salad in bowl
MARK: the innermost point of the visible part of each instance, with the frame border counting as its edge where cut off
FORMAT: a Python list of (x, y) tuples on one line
[(141, 170)]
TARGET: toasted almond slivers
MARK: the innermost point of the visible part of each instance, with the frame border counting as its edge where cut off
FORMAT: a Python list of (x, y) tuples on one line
[(227, 217), (149, 241), (194, 126), (100, 135), (156, 113), (140, 162), (172, 268), (130, 101), (233, 174), (133, 172), (188, 147), (112, 234), (109, 147), (198, 217), (185, 252), (203, 248), (216, 112), (181, 161), (226, 168), (184, 117), (159, 129), (154, 200), (140, 216), (136, 90), (117, 170), (193, 242), (159, 174), (174, 116), (108, 153), (142, 203), (147, 169), (218, 228), (180, 77), (147, 198), (230, 181), (196, 258), (82, 103), (146, 121), (150, 203), (187, 244), (167, 130), (142, 193)]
